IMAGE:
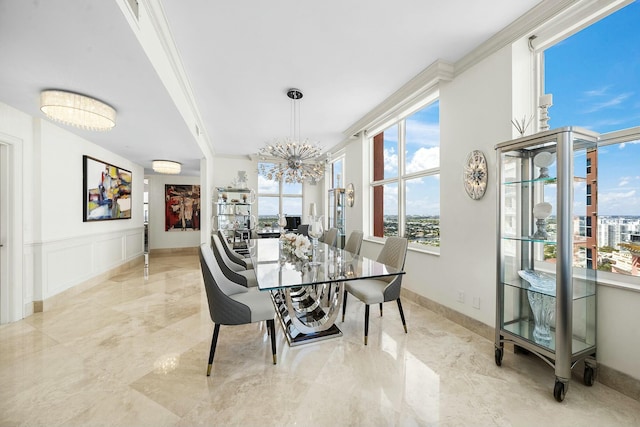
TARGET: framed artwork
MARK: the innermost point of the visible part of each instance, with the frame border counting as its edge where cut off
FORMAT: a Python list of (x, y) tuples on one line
[(107, 191), (182, 207)]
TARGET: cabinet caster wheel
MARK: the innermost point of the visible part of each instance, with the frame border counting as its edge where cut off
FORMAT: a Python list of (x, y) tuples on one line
[(589, 376), (559, 391), (498, 355)]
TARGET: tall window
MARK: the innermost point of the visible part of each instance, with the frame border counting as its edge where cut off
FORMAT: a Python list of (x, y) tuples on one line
[(277, 198), (337, 173), (406, 178), (593, 76)]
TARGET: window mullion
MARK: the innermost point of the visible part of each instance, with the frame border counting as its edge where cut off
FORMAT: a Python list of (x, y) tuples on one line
[(401, 168)]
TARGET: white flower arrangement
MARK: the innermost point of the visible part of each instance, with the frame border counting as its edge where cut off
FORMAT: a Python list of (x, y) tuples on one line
[(297, 244)]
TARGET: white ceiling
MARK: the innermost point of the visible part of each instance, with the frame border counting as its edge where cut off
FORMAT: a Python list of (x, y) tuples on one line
[(240, 58)]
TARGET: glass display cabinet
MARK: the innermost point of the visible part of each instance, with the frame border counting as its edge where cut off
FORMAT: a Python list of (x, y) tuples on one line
[(233, 216), (336, 213), (547, 252)]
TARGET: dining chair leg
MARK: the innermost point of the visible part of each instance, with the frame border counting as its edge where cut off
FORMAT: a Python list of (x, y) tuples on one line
[(214, 340), (272, 328), (344, 304), (402, 315), (380, 309), (366, 323)]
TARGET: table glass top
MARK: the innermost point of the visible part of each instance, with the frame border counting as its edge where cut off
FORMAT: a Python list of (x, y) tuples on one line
[(276, 268)]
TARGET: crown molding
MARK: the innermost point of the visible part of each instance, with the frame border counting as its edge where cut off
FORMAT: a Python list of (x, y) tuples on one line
[(404, 98), (573, 19), (519, 28), (441, 71)]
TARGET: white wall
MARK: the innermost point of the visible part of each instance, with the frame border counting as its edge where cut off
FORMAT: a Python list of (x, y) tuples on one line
[(68, 250), (158, 237), (353, 173), (55, 250), (476, 109)]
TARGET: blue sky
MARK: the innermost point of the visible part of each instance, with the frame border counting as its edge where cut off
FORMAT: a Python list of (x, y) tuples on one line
[(594, 77)]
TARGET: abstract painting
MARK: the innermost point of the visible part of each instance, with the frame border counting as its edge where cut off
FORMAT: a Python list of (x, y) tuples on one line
[(107, 191), (182, 207)]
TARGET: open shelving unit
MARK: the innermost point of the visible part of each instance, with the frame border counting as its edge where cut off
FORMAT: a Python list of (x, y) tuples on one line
[(233, 215)]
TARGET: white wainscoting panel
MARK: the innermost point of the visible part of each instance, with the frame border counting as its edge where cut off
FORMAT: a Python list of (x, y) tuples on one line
[(134, 243), (69, 262)]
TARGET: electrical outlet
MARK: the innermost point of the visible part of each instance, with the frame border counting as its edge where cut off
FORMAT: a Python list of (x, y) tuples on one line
[(461, 296), (476, 302)]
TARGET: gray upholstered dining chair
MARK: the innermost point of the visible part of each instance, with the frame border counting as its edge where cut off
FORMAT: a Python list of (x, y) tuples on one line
[(331, 237), (232, 304), (231, 270), (233, 255), (354, 242), (383, 289)]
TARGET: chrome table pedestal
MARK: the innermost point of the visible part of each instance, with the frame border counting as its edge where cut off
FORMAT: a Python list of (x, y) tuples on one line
[(308, 313)]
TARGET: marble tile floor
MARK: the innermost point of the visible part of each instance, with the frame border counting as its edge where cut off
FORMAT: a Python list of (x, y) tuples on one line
[(133, 352)]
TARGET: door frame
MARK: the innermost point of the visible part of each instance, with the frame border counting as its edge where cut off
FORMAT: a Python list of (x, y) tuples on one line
[(12, 303)]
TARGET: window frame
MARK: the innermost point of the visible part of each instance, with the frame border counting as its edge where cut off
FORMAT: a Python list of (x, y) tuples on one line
[(549, 35), (401, 178), (281, 195)]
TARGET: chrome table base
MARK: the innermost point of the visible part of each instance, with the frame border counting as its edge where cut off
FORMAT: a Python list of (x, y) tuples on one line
[(308, 313)]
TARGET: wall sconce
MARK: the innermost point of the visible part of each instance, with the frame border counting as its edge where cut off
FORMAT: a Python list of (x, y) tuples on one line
[(351, 195)]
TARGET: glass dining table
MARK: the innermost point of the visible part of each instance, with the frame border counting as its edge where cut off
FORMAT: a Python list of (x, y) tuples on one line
[(307, 292)]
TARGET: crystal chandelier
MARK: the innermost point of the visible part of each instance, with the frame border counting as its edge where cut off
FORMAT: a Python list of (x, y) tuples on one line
[(77, 110), (295, 160)]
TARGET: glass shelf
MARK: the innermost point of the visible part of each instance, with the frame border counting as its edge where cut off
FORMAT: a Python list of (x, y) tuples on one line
[(523, 328), (530, 240), (581, 289), (548, 180)]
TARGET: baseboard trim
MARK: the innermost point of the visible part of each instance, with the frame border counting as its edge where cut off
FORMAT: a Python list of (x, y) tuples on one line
[(455, 316), (174, 251), (605, 375)]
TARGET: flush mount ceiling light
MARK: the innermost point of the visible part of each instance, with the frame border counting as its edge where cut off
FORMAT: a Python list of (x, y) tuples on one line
[(296, 160), (77, 110), (167, 167)]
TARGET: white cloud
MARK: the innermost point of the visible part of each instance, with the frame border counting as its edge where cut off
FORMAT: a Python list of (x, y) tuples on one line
[(624, 180), (424, 158), (613, 102), (423, 134), (615, 198), (622, 145), (390, 160), (597, 92), (267, 186)]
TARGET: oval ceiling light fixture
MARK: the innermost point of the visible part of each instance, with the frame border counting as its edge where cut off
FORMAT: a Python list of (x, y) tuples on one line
[(167, 167), (77, 110)]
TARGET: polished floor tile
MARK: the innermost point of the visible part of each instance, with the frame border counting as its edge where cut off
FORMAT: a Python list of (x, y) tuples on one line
[(133, 351)]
